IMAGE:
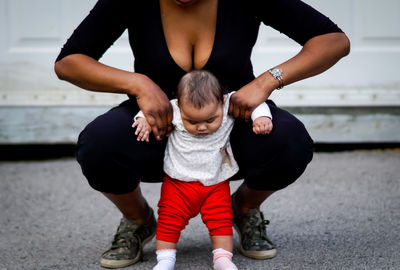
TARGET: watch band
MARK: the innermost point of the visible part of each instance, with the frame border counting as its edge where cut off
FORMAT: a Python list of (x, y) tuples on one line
[(277, 74)]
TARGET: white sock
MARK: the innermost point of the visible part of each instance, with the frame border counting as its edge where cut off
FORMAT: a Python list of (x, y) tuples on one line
[(223, 260), (165, 259)]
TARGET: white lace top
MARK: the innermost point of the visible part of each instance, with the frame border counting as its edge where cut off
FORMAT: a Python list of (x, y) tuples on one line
[(207, 159)]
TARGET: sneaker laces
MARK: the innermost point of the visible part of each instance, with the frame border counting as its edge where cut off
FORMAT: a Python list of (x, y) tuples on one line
[(263, 227), (260, 230), (124, 236)]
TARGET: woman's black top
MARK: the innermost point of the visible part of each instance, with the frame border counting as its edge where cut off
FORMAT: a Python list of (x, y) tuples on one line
[(237, 27)]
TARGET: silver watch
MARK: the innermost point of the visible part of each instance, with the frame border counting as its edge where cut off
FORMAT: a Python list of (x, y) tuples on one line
[(277, 74)]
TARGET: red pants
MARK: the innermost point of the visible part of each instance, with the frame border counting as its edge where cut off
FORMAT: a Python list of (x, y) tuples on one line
[(181, 201)]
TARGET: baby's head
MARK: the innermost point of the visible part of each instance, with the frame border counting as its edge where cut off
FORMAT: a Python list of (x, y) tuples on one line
[(201, 102)]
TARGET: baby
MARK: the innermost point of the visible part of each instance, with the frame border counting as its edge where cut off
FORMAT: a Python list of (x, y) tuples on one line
[(198, 161)]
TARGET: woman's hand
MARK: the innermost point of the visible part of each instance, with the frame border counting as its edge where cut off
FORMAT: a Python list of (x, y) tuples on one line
[(156, 108), (90, 74), (243, 102), (318, 54)]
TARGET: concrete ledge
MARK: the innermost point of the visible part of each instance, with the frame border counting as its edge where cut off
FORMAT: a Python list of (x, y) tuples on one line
[(62, 124), (351, 124)]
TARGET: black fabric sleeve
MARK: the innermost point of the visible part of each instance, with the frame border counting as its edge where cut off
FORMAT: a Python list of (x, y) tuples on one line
[(98, 31), (294, 18)]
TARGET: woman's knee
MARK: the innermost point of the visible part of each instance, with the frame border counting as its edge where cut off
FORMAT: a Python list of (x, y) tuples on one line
[(111, 158), (273, 161), (284, 168), (103, 165)]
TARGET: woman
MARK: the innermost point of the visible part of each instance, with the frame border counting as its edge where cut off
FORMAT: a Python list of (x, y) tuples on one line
[(169, 38)]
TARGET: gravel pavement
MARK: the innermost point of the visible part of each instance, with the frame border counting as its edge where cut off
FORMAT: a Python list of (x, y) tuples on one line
[(343, 213)]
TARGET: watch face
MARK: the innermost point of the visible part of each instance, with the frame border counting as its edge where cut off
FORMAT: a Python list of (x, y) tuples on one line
[(276, 72)]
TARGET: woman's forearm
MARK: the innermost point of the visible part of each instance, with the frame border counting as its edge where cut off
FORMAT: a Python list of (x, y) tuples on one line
[(89, 74), (317, 55)]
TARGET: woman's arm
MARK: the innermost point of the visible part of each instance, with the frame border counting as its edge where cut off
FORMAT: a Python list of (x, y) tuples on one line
[(90, 74), (78, 62), (317, 55), (87, 73), (323, 43)]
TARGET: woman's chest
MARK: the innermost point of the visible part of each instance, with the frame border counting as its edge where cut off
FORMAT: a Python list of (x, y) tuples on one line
[(166, 48), (189, 32)]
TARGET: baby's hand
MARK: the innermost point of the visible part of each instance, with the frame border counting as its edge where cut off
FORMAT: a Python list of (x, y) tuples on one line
[(143, 129), (262, 125)]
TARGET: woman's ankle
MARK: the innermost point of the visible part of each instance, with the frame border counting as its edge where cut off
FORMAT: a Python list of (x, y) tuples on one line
[(245, 199)]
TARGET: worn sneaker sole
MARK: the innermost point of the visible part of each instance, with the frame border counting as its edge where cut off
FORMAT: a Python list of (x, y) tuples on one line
[(106, 263), (254, 254)]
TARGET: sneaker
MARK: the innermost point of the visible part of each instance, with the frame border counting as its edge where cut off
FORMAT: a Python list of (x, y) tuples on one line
[(252, 231), (128, 243)]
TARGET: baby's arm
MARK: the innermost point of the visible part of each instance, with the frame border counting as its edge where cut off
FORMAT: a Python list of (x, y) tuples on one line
[(143, 128), (262, 119)]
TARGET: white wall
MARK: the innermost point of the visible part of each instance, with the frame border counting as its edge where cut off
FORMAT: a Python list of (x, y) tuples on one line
[(364, 88)]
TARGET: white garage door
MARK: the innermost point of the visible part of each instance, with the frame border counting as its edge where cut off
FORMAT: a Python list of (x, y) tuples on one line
[(358, 100)]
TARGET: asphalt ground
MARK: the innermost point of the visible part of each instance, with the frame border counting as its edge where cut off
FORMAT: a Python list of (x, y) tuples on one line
[(343, 213)]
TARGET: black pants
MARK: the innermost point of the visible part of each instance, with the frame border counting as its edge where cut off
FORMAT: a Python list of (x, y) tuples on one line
[(113, 160)]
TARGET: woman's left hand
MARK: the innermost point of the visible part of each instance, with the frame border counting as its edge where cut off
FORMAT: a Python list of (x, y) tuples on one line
[(318, 54), (246, 99)]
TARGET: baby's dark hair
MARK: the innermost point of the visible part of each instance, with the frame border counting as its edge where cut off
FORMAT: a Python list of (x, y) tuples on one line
[(199, 88)]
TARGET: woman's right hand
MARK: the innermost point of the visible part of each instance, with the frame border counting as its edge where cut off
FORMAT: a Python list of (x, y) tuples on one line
[(156, 107), (90, 74)]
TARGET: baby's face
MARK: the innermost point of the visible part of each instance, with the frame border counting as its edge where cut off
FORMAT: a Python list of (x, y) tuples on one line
[(202, 121)]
